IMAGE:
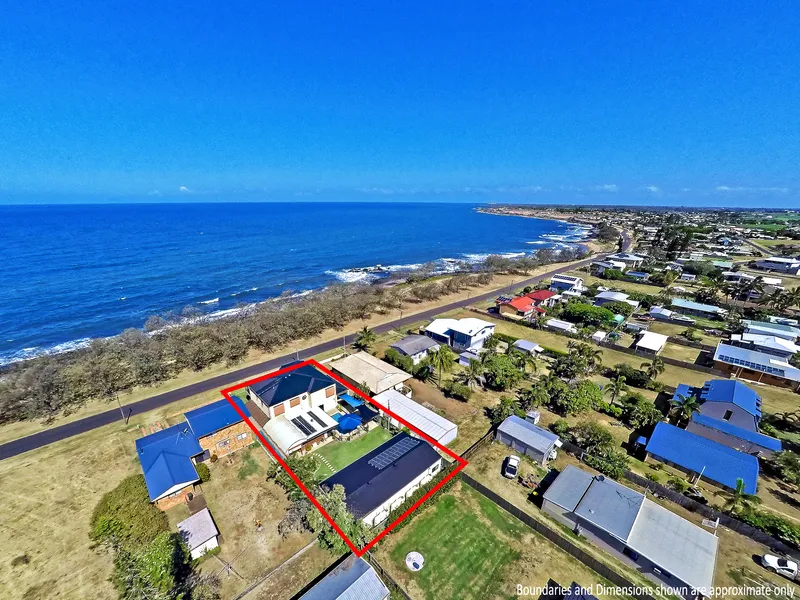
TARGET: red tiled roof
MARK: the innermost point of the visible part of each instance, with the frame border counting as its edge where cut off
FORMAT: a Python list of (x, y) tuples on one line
[(540, 295), (522, 304), (539, 309)]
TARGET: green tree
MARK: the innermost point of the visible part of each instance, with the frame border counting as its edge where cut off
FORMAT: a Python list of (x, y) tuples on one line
[(592, 437), (501, 373), (442, 360), (684, 407), (304, 467), (740, 501), (155, 571), (640, 412), (577, 399), (654, 368), (615, 387), (787, 464), (472, 375), (508, 406), (613, 463), (534, 396), (125, 516), (334, 503), (365, 338)]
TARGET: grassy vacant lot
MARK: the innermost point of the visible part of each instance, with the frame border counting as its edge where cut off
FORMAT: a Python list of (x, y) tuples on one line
[(674, 329), (475, 550), (735, 555), (624, 286), (341, 454)]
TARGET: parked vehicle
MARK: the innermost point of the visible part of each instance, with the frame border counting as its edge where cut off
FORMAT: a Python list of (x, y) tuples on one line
[(696, 495), (511, 466), (782, 566)]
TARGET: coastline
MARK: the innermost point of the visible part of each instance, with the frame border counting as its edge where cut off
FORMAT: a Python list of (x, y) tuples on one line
[(538, 212)]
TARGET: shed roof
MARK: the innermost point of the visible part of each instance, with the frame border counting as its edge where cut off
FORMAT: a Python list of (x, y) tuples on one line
[(362, 367), (420, 417), (696, 453), (652, 341), (198, 529), (528, 433), (754, 437), (414, 344), (528, 346), (367, 486), (218, 415), (697, 306), (612, 296), (353, 579)]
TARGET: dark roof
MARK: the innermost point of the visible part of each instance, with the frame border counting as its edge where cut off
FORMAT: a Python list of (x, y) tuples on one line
[(212, 417), (166, 458), (302, 380), (729, 390), (353, 579), (765, 441), (367, 486), (696, 453), (413, 344)]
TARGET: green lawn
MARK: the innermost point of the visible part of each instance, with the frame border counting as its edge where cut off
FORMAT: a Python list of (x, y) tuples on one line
[(341, 454), (465, 553)]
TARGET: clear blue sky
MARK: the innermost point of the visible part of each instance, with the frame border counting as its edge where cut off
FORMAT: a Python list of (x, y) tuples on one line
[(660, 102)]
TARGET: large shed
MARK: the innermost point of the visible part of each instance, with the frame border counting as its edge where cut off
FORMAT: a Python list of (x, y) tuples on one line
[(527, 438), (424, 419)]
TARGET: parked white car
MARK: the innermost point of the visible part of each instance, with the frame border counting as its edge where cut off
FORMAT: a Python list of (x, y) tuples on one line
[(511, 466), (781, 566)]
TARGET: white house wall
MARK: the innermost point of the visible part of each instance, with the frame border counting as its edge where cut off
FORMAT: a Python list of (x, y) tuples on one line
[(379, 514), (205, 547)]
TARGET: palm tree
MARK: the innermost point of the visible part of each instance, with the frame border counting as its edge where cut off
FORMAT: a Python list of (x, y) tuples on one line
[(523, 359), (364, 339), (654, 368), (615, 387), (752, 286), (666, 294), (793, 298), (685, 407), (472, 375), (774, 300), (442, 360), (740, 501)]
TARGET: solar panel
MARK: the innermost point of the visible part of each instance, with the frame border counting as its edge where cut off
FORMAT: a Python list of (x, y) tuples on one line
[(303, 425), (393, 452), (318, 420)]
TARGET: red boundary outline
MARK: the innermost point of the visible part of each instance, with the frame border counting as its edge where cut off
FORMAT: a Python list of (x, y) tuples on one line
[(358, 552)]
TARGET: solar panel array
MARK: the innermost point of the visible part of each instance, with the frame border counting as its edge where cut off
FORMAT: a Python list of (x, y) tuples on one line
[(393, 452), (318, 420), (303, 425)]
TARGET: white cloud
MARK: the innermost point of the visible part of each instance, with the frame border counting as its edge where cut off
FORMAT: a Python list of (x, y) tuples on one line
[(686, 189), (653, 189), (725, 189), (184, 190), (606, 187)]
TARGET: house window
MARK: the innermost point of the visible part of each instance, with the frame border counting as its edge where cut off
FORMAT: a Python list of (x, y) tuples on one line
[(294, 402), (435, 468), (223, 444), (727, 416), (241, 436), (279, 409)]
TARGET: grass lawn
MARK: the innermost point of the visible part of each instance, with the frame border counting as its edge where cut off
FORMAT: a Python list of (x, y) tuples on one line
[(781, 242), (674, 329), (624, 286), (341, 454), (679, 352), (475, 550)]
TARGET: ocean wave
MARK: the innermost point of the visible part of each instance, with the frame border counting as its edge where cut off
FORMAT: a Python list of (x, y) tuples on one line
[(252, 289), (212, 301), (538, 242), (35, 351)]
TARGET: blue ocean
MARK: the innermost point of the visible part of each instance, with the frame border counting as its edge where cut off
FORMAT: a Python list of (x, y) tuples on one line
[(70, 273)]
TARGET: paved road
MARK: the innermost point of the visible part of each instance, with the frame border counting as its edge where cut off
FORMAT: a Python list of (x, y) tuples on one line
[(61, 432)]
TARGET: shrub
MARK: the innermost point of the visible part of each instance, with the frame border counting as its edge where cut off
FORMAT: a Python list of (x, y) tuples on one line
[(633, 376), (203, 472), (619, 308), (652, 477), (678, 484), (776, 526), (458, 390), (504, 337), (553, 352), (561, 428), (589, 315), (613, 463), (126, 517), (610, 409), (393, 357), (691, 335), (214, 458)]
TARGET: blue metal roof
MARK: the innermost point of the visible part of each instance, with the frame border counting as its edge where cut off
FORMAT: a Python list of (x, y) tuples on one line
[(212, 417), (689, 304), (730, 390), (166, 458), (716, 462), (765, 441)]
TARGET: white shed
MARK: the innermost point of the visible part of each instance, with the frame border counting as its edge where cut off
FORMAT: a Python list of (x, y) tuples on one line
[(427, 421), (200, 533)]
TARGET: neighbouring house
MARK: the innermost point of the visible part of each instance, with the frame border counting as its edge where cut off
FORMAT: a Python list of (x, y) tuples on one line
[(352, 579), (219, 428), (601, 266), (756, 366), (528, 439), (561, 326), (633, 261), (738, 438), (424, 419), (785, 331), (779, 264), (659, 313), (382, 479), (168, 457), (702, 457), (605, 297), (467, 357), (542, 298), (599, 336), (299, 429), (639, 275), (518, 306), (643, 534), (200, 533), (363, 368), (768, 344), (689, 307), (688, 277), (528, 346), (302, 388), (566, 283), (722, 264), (780, 320), (635, 326), (416, 346), (769, 284), (650, 343), (461, 334)]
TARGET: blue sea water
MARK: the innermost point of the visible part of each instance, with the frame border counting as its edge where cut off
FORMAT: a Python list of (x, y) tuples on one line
[(70, 273)]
